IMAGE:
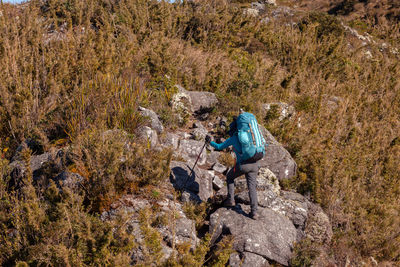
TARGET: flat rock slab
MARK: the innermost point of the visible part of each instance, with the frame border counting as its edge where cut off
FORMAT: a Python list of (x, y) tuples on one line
[(271, 236), (190, 150), (296, 210)]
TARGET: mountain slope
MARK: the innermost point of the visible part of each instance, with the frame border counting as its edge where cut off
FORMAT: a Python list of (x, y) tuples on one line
[(74, 69)]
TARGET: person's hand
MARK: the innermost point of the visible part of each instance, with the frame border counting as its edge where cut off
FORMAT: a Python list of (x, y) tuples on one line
[(208, 139)]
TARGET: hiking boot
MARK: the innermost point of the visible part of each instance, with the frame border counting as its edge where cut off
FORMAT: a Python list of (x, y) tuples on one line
[(229, 203), (254, 215)]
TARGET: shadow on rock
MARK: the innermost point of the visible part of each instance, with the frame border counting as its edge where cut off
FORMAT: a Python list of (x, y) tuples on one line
[(196, 185)]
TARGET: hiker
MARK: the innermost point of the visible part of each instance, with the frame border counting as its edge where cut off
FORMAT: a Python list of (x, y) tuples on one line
[(248, 145)]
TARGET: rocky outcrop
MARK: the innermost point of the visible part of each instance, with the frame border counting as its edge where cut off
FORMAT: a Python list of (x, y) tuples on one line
[(282, 110), (195, 101), (285, 217), (174, 229), (277, 158), (199, 132), (271, 237), (45, 167), (297, 217)]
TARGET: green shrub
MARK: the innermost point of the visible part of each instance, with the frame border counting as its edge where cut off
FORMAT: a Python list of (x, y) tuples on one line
[(55, 229), (115, 165), (304, 253), (325, 25)]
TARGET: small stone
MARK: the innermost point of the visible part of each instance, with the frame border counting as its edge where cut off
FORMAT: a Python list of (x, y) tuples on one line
[(199, 132), (271, 2), (217, 183), (197, 124), (258, 6), (154, 121), (218, 167), (368, 54), (252, 12), (212, 157)]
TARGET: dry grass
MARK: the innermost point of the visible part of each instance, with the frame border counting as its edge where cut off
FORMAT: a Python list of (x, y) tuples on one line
[(72, 67)]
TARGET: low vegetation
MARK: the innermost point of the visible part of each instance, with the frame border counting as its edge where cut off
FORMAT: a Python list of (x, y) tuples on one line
[(73, 69)]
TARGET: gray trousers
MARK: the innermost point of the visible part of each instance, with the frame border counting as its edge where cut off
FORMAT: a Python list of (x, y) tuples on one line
[(250, 170)]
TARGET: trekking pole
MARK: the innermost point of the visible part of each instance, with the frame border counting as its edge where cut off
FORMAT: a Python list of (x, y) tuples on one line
[(191, 172), (201, 151)]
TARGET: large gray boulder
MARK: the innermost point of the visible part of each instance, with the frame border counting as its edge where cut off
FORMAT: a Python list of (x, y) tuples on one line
[(202, 101), (155, 123), (266, 180), (307, 217), (277, 158), (271, 236), (195, 101), (199, 182), (295, 215)]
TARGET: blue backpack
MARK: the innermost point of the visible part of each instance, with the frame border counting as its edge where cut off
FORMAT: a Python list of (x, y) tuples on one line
[(250, 137)]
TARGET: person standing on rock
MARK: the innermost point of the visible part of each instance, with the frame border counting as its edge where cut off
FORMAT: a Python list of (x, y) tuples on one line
[(248, 145)]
